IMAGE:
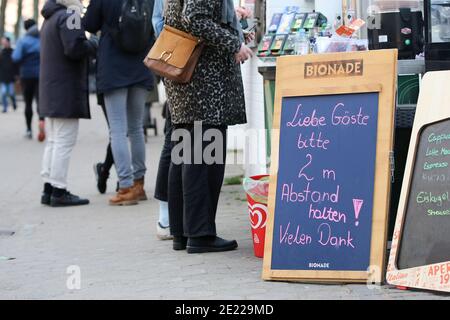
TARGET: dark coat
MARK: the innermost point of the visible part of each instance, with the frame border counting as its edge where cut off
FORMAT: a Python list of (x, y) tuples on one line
[(63, 85), (116, 69), (8, 69), (215, 95)]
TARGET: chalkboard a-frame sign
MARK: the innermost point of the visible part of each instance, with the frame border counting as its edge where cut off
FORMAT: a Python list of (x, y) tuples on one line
[(330, 173), (420, 254)]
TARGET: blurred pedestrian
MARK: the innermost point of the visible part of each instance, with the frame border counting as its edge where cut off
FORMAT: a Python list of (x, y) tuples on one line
[(158, 16), (64, 92), (7, 74), (214, 99), (162, 179), (127, 36), (27, 55), (102, 169)]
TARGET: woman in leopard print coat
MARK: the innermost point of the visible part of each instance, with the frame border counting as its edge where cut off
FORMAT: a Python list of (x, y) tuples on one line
[(215, 95)]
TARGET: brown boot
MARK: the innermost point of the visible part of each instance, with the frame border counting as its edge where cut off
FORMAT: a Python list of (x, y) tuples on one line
[(125, 197), (139, 190)]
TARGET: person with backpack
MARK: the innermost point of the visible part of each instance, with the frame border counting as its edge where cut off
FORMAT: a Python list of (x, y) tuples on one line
[(7, 74), (27, 55), (64, 93), (126, 38)]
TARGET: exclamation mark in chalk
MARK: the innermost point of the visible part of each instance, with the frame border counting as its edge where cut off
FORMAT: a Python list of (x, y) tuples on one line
[(357, 205)]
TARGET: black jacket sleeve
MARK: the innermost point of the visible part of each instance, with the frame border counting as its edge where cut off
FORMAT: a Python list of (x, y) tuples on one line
[(76, 45)]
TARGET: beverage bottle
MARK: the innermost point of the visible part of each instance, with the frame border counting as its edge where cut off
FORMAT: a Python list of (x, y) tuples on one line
[(301, 43), (313, 41), (337, 22), (328, 30)]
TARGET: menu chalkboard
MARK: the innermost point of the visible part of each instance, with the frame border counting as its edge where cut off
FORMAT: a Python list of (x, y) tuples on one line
[(426, 232), (325, 183)]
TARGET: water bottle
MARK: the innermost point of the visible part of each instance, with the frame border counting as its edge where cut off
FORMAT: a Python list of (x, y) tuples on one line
[(312, 40), (301, 43)]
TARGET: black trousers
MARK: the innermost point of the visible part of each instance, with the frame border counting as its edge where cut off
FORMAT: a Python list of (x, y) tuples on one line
[(109, 159), (30, 88), (162, 178), (194, 189)]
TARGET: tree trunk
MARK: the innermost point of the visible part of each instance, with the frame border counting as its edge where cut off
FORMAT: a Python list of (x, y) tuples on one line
[(36, 11), (18, 26), (3, 17)]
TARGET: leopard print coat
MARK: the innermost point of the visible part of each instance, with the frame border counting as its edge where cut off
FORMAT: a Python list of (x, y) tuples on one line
[(215, 94)]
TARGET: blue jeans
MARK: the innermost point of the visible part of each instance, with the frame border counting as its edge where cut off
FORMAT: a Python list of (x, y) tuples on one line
[(125, 110), (8, 91)]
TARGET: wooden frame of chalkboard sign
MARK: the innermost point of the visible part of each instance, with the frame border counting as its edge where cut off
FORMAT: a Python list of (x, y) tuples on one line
[(331, 167), (427, 266)]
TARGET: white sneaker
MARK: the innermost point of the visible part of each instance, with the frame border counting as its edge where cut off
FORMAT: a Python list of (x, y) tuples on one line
[(163, 233)]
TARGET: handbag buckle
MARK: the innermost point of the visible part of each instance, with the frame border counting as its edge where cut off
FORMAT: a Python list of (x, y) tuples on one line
[(166, 56)]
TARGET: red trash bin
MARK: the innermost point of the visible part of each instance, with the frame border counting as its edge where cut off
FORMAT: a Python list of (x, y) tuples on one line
[(258, 213)]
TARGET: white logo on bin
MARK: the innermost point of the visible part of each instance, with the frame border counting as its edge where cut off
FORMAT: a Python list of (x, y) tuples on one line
[(259, 211)]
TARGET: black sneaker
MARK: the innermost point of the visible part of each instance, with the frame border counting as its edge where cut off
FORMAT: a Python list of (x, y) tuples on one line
[(67, 200), (46, 199), (210, 244), (101, 176), (47, 194), (179, 243)]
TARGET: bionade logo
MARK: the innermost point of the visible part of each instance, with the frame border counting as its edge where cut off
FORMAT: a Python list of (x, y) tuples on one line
[(334, 69)]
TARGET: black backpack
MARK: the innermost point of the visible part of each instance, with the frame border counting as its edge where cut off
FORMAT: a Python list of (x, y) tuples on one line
[(134, 29)]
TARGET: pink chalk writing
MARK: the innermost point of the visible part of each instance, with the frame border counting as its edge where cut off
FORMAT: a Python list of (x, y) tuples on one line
[(297, 238), (327, 238), (309, 121), (341, 117), (357, 205), (314, 141), (328, 174), (302, 173), (327, 213), (288, 194), (324, 138)]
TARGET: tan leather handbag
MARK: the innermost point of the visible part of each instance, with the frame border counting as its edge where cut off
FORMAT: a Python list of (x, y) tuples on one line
[(175, 55)]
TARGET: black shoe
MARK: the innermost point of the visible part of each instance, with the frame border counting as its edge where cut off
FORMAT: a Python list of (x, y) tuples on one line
[(101, 176), (210, 244), (46, 199), (47, 194), (179, 243), (67, 200)]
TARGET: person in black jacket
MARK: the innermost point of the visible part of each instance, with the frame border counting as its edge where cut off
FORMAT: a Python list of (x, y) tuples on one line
[(64, 93), (8, 72), (124, 81)]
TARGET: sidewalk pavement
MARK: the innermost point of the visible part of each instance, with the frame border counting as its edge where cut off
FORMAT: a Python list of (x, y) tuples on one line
[(116, 249)]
